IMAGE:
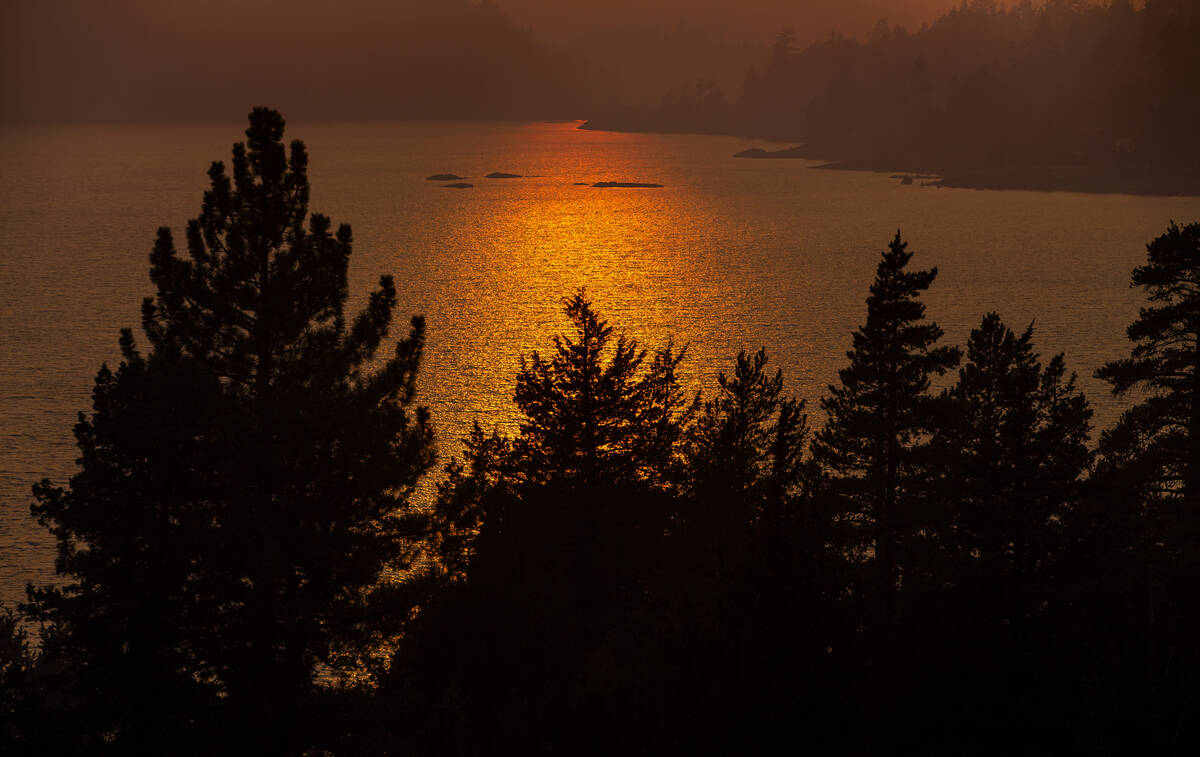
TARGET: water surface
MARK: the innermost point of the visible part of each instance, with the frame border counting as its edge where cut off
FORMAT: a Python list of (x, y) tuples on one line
[(729, 254)]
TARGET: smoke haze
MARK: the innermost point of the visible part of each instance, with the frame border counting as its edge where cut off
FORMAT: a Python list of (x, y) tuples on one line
[(143, 60)]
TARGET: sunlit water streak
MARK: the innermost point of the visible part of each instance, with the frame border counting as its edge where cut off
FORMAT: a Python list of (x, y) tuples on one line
[(729, 254)]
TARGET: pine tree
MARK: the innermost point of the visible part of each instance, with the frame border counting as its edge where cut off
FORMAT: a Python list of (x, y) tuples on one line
[(598, 441), (551, 540), (1014, 449), (595, 411), (746, 464), (245, 487), (1160, 436), (880, 419), (1148, 502)]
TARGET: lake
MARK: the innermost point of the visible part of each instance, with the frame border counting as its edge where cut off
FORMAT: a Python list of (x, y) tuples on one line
[(728, 254)]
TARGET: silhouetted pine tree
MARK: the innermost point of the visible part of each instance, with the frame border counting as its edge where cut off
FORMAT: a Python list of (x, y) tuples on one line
[(879, 422), (747, 547), (244, 488), (745, 473), (874, 451), (572, 513), (1162, 432), (594, 410), (1147, 509), (1014, 448), (1011, 452)]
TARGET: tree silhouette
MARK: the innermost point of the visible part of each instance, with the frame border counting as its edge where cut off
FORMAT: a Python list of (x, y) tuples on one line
[(1148, 496), (591, 412), (1163, 430), (880, 417), (1011, 453), (551, 539), (745, 469), (243, 488), (1014, 442)]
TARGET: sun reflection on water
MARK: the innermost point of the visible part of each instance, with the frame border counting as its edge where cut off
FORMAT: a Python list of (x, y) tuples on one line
[(728, 254)]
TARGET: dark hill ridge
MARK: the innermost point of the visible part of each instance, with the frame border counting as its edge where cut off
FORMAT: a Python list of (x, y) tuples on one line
[(1079, 96)]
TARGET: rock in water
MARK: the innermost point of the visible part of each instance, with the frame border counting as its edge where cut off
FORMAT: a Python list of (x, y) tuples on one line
[(608, 184)]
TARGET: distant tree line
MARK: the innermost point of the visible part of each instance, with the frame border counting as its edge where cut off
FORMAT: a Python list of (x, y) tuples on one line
[(1065, 93), (244, 567)]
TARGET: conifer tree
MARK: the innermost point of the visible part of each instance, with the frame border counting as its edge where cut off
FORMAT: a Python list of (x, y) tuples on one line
[(551, 539), (745, 462), (244, 488), (1146, 503), (1160, 436), (880, 418), (1013, 445), (595, 411), (601, 422)]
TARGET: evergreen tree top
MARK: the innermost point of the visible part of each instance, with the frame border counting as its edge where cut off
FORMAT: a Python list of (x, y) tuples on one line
[(1165, 334), (895, 343), (595, 410)]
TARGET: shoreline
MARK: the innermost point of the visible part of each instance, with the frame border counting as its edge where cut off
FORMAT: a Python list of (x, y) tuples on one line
[(1102, 180), (1087, 179)]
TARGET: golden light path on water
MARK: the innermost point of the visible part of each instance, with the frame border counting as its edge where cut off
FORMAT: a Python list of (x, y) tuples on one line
[(729, 254)]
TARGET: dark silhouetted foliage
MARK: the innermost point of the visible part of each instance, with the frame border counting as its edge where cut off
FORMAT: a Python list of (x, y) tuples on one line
[(243, 490), (1014, 448), (631, 570), (1147, 505), (880, 418)]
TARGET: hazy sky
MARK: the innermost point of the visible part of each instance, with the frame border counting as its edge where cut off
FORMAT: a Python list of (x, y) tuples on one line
[(562, 19), (64, 60)]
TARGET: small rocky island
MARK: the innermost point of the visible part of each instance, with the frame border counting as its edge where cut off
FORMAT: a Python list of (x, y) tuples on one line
[(502, 175), (458, 185), (625, 184), (445, 177)]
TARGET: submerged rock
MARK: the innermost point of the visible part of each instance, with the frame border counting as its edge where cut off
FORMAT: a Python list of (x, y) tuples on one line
[(502, 175), (608, 184), (445, 177)]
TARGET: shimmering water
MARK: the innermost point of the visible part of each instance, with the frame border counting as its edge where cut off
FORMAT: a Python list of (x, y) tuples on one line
[(728, 254)]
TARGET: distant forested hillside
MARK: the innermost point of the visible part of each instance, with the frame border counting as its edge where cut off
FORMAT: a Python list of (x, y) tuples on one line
[(1060, 93), (74, 60)]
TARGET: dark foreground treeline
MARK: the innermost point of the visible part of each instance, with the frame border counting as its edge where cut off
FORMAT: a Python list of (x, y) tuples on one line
[(634, 570), (1062, 95)]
